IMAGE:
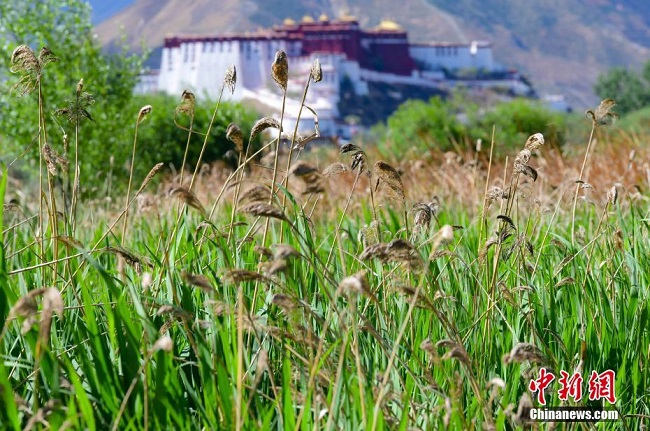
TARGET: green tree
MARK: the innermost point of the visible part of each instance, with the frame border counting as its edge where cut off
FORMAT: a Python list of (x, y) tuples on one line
[(631, 90), (65, 27)]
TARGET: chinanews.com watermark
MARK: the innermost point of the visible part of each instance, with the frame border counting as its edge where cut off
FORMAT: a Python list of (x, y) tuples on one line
[(570, 414), (600, 386)]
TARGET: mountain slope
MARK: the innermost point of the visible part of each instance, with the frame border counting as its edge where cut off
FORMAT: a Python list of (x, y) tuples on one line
[(103, 10), (561, 45)]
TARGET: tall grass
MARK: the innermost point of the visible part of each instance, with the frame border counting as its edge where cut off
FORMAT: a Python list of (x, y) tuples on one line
[(384, 309)]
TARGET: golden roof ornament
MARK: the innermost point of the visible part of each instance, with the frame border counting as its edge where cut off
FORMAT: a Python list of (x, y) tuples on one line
[(388, 25)]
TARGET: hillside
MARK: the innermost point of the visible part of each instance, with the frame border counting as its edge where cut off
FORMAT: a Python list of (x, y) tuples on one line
[(561, 46), (103, 10)]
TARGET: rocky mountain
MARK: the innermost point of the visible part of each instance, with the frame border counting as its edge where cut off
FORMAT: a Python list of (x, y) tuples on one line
[(561, 46)]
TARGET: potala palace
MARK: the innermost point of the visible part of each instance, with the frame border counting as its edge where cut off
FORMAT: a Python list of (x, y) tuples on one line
[(382, 54)]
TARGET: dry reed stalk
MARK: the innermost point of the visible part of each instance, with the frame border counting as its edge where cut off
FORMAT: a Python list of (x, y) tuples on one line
[(75, 112), (602, 115), (235, 135), (483, 224), (46, 56), (30, 68), (230, 80), (360, 162), (611, 198), (232, 175), (279, 73), (259, 126), (142, 114), (316, 74), (356, 151), (71, 242), (187, 107), (508, 226)]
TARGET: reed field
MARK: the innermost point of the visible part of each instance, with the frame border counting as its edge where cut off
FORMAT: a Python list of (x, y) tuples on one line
[(322, 288)]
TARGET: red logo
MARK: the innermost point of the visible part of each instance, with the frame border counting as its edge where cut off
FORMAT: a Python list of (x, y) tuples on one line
[(570, 386), (603, 386), (542, 382)]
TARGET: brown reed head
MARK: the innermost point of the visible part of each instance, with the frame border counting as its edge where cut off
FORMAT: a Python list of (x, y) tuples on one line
[(144, 111), (263, 124), (230, 79), (316, 71), (603, 114), (388, 176), (280, 69), (235, 135), (188, 103)]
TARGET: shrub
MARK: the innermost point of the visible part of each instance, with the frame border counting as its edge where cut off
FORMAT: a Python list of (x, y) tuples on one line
[(420, 126), (514, 121), (160, 140)]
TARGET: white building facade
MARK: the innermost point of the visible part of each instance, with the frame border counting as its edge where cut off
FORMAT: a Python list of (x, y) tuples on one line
[(383, 54)]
